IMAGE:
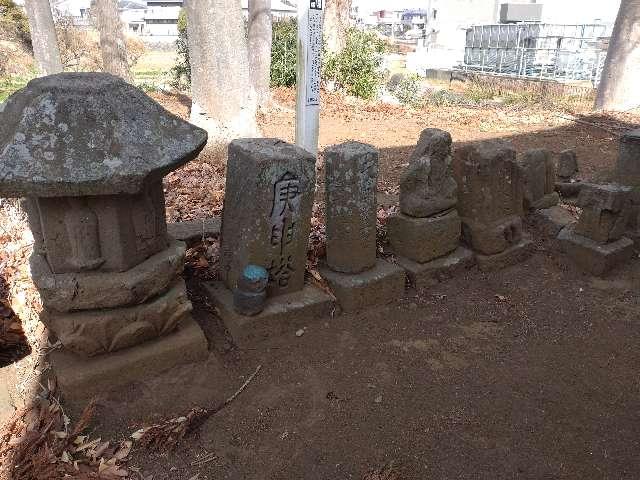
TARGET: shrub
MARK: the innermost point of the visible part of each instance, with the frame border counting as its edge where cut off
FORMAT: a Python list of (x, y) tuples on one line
[(284, 53), (80, 48), (14, 25), (406, 90), (356, 69), (181, 71)]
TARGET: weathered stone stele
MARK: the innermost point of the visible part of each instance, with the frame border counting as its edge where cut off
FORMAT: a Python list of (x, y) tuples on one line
[(539, 179), (351, 175), (267, 212), (628, 163), (490, 195), (567, 164), (427, 187), (605, 212)]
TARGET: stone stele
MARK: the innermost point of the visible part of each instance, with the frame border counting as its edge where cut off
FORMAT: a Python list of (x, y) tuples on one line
[(267, 212), (567, 164), (490, 195), (351, 175), (539, 179), (427, 187)]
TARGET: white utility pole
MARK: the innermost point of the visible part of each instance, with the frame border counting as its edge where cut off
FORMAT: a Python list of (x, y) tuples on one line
[(310, 16)]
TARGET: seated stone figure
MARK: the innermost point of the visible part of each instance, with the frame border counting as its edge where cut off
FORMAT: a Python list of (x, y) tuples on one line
[(427, 187)]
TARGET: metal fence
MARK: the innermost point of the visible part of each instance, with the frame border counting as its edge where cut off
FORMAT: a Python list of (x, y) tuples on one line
[(538, 50)]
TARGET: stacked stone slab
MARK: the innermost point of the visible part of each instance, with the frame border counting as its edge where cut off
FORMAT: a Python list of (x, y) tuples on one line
[(266, 222), (539, 179), (357, 278), (597, 242), (425, 234), (88, 151), (490, 202)]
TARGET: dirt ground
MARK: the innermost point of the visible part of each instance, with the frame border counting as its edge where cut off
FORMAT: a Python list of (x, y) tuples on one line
[(531, 372)]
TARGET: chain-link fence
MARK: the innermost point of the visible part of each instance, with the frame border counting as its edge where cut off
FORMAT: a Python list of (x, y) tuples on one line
[(538, 50)]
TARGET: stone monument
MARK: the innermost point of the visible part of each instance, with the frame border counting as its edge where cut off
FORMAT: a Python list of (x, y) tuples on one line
[(357, 278), (567, 168), (628, 173), (490, 201), (425, 234), (266, 222), (539, 179), (597, 242), (88, 151)]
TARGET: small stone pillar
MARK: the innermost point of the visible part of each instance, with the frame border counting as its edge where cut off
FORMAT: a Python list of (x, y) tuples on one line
[(266, 222), (490, 201), (597, 242), (425, 234), (539, 179), (89, 152), (567, 168), (357, 278)]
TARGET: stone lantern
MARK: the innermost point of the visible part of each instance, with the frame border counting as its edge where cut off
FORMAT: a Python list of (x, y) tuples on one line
[(88, 152)]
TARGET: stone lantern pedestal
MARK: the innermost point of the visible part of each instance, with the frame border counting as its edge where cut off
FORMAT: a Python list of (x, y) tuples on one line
[(88, 152)]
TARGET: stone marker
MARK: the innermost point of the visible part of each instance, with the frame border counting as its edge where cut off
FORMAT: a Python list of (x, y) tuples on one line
[(567, 164), (539, 179), (266, 222), (597, 242), (427, 228), (605, 212), (490, 201), (351, 175), (356, 277), (267, 212), (628, 163), (89, 151)]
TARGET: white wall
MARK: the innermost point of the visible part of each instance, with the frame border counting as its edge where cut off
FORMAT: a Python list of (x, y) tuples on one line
[(579, 11)]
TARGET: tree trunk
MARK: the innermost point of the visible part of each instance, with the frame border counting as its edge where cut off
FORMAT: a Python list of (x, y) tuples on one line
[(43, 36), (223, 99), (260, 36), (112, 41), (336, 22), (619, 87)]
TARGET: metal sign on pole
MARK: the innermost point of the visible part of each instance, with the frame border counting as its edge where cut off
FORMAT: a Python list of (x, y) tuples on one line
[(310, 16)]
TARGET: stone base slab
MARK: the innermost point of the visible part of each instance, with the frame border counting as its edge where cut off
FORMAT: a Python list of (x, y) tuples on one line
[(424, 239), (568, 189), (65, 292), (80, 379), (550, 221), (379, 285), (283, 314), (593, 257), (494, 237), (423, 275), (511, 256), (193, 230)]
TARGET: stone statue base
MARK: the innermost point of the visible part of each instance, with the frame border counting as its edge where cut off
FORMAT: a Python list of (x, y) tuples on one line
[(516, 253), (379, 285), (424, 239), (283, 314), (424, 275), (594, 257), (81, 379)]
